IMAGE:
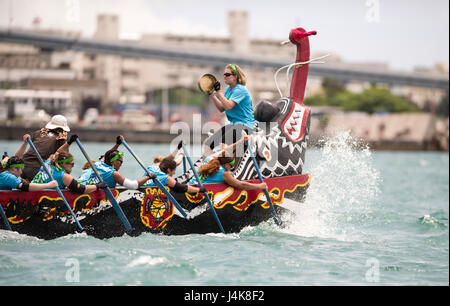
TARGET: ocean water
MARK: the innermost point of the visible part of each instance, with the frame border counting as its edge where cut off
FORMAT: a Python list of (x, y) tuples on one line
[(369, 218)]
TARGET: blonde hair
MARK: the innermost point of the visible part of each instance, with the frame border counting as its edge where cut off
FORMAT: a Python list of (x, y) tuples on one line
[(240, 75), (59, 156)]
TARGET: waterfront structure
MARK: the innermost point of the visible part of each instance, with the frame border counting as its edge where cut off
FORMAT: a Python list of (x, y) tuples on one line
[(103, 80)]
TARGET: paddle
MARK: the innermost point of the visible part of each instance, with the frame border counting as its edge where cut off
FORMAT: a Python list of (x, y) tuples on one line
[(184, 164), (262, 181), (155, 179), (201, 185), (57, 187), (5, 219), (108, 192)]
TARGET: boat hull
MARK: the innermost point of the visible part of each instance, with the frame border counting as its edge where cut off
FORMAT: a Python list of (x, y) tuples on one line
[(43, 214)]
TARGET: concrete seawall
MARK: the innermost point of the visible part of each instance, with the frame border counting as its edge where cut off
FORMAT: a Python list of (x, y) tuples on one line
[(415, 131), (94, 135)]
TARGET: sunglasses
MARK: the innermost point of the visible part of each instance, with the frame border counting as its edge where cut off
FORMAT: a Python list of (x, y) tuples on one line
[(228, 74)]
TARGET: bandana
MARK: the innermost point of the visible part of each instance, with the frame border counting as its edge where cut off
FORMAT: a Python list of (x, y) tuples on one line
[(65, 161), (20, 166), (120, 154), (234, 68)]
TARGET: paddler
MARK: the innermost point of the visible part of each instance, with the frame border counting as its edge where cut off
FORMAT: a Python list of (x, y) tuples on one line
[(119, 138), (47, 141), (11, 168), (217, 167), (61, 165), (236, 102), (109, 172), (19, 152), (164, 172), (10, 178), (217, 170), (158, 158)]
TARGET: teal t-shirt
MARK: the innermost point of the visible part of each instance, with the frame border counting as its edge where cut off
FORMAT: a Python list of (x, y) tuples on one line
[(9, 181), (162, 177), (216, 178), (88, 176), (242, 112), (42, 177)]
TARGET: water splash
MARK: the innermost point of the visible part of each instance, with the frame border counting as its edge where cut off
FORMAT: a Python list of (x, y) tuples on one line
[(147, 261), (343, 187), (10, 236)]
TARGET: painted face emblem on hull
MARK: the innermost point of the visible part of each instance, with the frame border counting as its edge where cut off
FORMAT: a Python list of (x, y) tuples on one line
[(156, 209), (294, 124)]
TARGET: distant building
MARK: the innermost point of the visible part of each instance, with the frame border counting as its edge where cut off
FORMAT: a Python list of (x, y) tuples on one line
[(30, 105), (103, 80), (129, 76), (40, 70)]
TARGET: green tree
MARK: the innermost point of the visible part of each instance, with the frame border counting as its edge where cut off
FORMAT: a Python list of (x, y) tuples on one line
[(332, 87), (370, 100), (375, 99), (348, 101), (317, 100)]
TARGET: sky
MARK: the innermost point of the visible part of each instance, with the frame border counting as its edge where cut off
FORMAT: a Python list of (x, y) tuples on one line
[(402, 33)]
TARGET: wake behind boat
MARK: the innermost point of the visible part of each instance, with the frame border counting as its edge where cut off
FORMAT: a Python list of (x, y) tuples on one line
[(279, 144)]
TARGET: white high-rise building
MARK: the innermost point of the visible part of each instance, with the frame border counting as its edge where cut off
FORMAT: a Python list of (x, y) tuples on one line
[(238, 30)]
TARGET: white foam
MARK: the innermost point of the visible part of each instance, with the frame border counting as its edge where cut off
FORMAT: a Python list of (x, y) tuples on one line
[(6, 235), (343, 186), (146, 261), (225, 236)]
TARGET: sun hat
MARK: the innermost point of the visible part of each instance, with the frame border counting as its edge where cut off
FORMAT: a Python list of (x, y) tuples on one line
[(58, 121)]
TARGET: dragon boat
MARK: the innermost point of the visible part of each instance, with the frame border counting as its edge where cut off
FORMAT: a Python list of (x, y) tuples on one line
[(279, 143)]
